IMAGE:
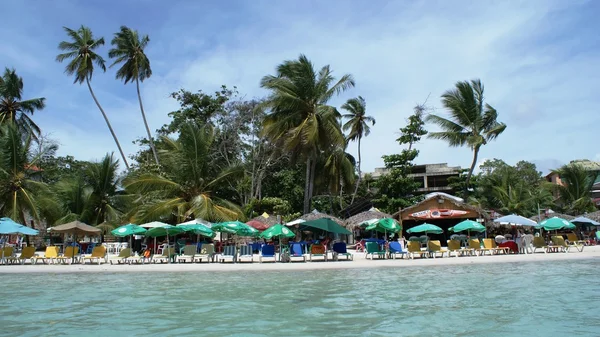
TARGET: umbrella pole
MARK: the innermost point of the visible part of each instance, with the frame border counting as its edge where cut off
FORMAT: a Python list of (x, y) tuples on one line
[(168, 250)]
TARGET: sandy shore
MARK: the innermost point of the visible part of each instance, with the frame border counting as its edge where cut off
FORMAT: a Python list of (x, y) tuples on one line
[(591, 252)]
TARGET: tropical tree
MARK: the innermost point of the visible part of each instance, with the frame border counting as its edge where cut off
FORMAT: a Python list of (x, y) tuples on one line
[(21, 192), (338, 171), (106, 201), (80, 53), (574, 193), (472, 122), (189, 188), (300, 120), (12, 106), (358, 127), (128, 50)]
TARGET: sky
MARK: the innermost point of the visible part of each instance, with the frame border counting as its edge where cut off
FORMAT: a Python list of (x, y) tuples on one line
[(538, 60)]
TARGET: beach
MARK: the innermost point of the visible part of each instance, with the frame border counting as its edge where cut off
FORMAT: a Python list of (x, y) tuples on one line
[(359, 262)]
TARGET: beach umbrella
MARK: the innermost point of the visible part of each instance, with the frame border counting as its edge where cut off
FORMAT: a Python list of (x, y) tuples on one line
[(324, 224), (76, 228), (8, 226), (154, 224), (235, 227), (278, 231), (166, 230), (555, 223), (198, 229), (367, 223), (128, 230), (468, 225), (385, 225), (516, 220), (425, 228), (585, 221), (295, 222)]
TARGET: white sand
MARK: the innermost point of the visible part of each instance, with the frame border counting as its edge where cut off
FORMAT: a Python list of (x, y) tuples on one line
[(590, 252)]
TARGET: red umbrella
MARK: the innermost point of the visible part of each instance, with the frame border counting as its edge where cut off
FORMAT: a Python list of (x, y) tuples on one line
[(257, 224)]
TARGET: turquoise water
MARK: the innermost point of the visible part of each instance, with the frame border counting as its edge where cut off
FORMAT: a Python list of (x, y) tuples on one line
[(525, 299)]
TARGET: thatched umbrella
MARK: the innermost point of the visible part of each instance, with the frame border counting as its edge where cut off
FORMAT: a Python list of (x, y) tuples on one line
[(359, 218), (314, 215), (269, 221)]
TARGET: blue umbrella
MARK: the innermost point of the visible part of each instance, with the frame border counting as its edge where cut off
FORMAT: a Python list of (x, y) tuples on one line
[(586, 221), (514, 219), (8, 226)]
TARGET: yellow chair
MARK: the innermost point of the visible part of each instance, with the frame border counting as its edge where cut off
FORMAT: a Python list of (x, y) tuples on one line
[(574, 241), (98, 253), (7, 254), (206, 252), (560, 242), (71, 255), (504, 250), (414, 247), (26, 253), (435, 247), (454, 246), (475, 246), (51, 255), (488, 246), (123, 257), (539, 243)]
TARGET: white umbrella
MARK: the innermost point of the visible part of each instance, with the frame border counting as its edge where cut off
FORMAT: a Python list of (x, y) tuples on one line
[(154, 224), (295, 222), (516, 220)]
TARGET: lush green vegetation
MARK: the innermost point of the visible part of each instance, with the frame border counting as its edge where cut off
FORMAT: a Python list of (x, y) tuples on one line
[(223, 157)]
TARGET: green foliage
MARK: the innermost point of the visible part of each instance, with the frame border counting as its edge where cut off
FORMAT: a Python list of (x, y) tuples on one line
[(270, 205), (575, 196), (128, 51), (80, 51), (13, 109)]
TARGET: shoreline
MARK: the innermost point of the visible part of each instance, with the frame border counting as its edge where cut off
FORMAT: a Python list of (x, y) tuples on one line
[(359, 262)]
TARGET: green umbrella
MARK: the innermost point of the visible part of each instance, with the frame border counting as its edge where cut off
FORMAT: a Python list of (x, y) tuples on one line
[(127, 230), (277, 230), (385, 225), (468, 225), (166, 230), (235, 227), (426, 228), (197, 229), (555, 223), (368, 223), (324, 224)]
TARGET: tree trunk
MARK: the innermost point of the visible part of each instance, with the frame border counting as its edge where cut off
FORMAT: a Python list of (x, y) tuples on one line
[(475, 154), (311, 187), (87, 80), (307, 187), (359, 173), (137, 85)]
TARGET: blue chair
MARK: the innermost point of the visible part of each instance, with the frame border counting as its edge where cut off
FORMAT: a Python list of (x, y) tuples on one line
[(267, 251), (395, 249), (90, 248), (297, 252), (339, 249), (199, 247)]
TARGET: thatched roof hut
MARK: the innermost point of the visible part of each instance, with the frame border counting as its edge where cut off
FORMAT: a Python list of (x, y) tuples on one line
[(270, 221), (314, 215), (593, 216), (440, 202), (359, 218)]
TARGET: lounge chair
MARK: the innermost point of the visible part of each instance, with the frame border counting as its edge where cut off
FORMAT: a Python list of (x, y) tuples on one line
[(167, 253), (229, 252), (373, 249), (296, 252), (50, 255), (454, 246), (497, 250), (7, 254), (557, 246), (26, 253), (435, 247), (70, 255), (317, 251), (475, 245), (267, 252), (98, 253), (189, 252), (124, 257), (539, 243), (396, 249), (573, 241), (206, 252), (245, 253), (560, 242), (414, 247), (489, 246), (339, 249)]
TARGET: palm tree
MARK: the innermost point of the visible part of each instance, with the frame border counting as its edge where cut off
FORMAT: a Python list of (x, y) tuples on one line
[(128, 50), (80, 52), (358, 125), (471, 122), (12, 106), (300, 120), (106, 201), (189, 188), (575, 191), (21, 192), (339, 171)]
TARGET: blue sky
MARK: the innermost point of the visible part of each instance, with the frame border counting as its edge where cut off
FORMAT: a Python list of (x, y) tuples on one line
[(537, 59)]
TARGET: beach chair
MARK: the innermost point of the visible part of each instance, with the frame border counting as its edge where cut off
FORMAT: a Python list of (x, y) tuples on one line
[(504, 250), (475, 245), (7, 254), (71, 255), (123, 257), (454, 246), (373, 249), (267, 252), (167, 253), (245, 253), (414, 247), (98, 253), (489, 246), (229, 252), (26, 253), (296, 252), (560, 242), (206, 252), (573, 241), (339, 249), (539, 243), (317, 251), (189, 252), (396, 249), (50, 255), (435, 247)]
